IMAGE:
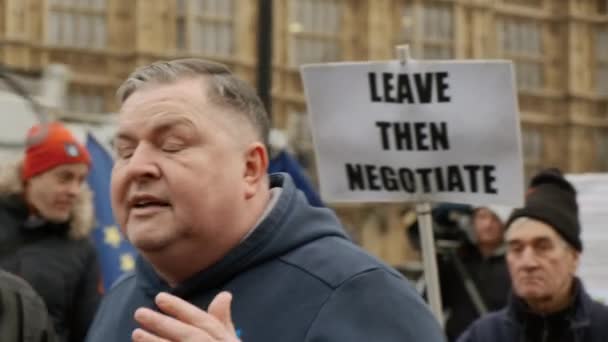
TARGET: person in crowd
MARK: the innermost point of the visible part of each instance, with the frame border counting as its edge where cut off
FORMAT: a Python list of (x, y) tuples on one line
[(46, 215), (474, 276), (227, 251), (23, 315), (548, 303)]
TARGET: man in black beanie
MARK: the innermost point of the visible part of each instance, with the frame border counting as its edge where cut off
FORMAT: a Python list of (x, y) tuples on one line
[(549, 302)]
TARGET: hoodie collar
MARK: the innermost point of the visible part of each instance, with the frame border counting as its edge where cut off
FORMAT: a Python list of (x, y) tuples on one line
[(292, 222), (274, 197)]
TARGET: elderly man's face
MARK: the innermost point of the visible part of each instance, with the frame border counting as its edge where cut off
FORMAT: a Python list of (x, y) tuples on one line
[(541, 263), (180, 166)]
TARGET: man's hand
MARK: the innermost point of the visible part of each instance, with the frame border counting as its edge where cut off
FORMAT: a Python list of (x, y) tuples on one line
[(184, 322)]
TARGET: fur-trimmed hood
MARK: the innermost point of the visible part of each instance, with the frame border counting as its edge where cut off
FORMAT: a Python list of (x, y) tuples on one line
[(83, 215)]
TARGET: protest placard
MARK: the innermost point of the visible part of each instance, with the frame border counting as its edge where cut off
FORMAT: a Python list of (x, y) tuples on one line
[(438, 131)]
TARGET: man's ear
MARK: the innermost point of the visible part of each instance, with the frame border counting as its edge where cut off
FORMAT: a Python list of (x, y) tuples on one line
[(256, 168), (576, 257)]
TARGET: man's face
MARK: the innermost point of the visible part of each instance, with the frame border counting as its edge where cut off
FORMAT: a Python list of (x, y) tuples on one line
[(180, 166), (53, 193), (541, 263), (488, 228)]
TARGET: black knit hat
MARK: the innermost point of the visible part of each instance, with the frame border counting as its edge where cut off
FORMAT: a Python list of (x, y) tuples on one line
[(552, 200)]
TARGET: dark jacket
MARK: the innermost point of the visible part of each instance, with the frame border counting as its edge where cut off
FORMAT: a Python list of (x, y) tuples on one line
[(583, 321), (23, 315), (295, 278), (490, 276), (57, 260)]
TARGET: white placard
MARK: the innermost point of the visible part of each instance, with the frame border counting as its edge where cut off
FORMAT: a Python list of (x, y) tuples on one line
[(416, 131), (592, 198)]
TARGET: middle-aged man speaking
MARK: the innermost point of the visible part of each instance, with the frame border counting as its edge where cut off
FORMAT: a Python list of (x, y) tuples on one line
[(228, 252)]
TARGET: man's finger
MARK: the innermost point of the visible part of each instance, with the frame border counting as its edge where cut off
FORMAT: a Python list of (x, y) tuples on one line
[(220, 309), (140, 335), (190, 314), (167, 327)]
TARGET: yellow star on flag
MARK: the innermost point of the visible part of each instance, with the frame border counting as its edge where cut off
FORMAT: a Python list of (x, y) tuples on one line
[(112, 236), (127, 263)]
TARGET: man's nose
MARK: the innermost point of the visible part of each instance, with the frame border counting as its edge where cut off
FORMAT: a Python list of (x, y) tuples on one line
[(74, 187), (142, 163), (529, 259)]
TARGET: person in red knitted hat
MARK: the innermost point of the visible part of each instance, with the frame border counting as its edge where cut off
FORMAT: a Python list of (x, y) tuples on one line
[(54, 169), (46, 215)]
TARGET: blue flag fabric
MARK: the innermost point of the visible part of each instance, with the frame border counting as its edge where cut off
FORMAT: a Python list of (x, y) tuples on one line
[(116, 255), (284, 162)]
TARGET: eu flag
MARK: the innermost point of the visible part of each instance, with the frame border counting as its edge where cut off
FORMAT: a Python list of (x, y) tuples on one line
[(116, 255)]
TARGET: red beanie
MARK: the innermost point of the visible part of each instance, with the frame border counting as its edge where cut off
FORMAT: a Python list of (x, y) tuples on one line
[(49, 146)]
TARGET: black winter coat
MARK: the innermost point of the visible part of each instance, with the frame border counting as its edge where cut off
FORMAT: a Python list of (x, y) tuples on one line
[(61, 269), (584, 321), (490, 276), (23, 315)]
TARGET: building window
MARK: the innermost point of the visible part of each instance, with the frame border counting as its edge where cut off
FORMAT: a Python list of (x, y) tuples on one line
[(20, 20), (429, 29), (527, 3), (602, 7), (86, 101), (532, 148), (314, 31), (601, 53), (520, 40), (180, 29), (77, 23), (205, 27)]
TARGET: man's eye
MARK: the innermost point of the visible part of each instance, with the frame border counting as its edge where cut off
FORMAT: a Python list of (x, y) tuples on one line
[(172, 147), (543, 246), (63, 178), (515, 249), (124, 153)]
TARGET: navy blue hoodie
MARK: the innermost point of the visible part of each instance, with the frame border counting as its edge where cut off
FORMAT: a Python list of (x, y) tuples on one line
[(297, 277)]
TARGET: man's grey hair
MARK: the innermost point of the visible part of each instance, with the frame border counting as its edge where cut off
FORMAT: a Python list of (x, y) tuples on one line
[(224, 88)]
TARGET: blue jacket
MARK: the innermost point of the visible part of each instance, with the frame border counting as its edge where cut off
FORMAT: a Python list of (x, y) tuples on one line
[(584, 321), (295, 278)]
